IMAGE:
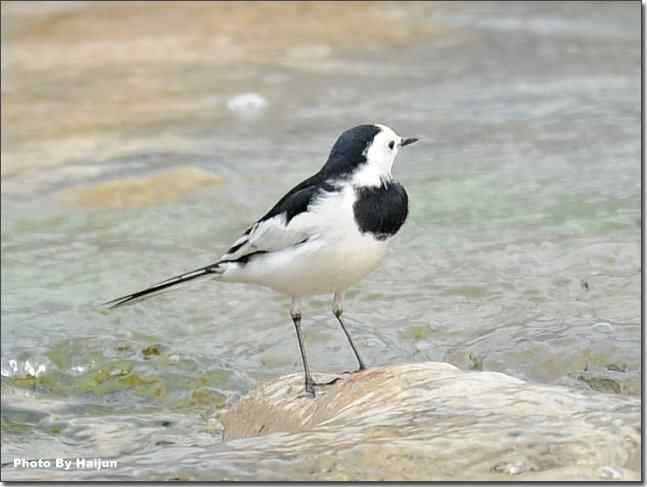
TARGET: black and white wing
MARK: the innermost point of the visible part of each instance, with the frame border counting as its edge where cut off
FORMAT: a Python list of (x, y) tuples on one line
[(284, 226), (278, 229)]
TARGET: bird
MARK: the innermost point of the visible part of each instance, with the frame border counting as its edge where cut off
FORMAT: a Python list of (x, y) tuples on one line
[(323, 236)]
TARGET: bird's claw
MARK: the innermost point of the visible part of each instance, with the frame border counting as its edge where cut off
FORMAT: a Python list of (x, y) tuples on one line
[(329, 383), (308, 394), (351, 372), (310, 386)]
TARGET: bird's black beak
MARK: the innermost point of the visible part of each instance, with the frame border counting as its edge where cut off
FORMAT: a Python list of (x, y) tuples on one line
[(408, 141)]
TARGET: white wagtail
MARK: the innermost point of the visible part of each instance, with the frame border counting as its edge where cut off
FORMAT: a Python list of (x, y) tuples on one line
[(324, 235)]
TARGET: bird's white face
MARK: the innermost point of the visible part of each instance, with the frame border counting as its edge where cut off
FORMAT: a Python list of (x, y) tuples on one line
[(379, 156)]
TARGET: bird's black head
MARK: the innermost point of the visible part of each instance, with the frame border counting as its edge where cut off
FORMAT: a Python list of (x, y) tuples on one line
[(349, 150), (367, 152)]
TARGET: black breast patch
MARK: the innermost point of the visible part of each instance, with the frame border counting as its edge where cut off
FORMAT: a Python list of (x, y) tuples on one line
[(381, 210)]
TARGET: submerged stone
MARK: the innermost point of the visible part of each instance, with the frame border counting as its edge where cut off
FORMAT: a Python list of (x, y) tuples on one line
[(167, 185)]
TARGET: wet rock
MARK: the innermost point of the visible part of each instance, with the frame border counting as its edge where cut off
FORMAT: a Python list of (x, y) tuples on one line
[(433, 421), (466, 359), (603, 327), (600, 383), (207, 397), (621, 367), (151, 351), (164, 443)]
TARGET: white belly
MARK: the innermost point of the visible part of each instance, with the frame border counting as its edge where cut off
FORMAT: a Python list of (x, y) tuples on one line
[(335, 256), (315, 267)]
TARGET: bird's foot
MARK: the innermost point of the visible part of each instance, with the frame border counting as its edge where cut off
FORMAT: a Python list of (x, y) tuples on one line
[(310, 387), (309, 393), (361, 368), (329, 383)]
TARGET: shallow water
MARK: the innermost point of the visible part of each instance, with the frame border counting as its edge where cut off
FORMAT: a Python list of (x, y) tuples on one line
[(521, 254)]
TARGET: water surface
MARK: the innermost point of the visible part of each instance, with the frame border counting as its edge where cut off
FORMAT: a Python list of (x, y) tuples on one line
[(521, 254)]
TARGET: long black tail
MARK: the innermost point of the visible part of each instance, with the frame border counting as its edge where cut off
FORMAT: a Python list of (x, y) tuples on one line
[(187, 276)]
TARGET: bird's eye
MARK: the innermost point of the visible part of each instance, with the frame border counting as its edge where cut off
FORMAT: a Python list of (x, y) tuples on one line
[(391, 145)]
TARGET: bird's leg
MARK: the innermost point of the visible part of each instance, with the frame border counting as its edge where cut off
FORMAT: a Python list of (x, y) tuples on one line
[(338, 310), (295, 313)]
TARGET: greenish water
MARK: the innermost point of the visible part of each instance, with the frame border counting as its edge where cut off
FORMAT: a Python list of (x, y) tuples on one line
[(521, 254)]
